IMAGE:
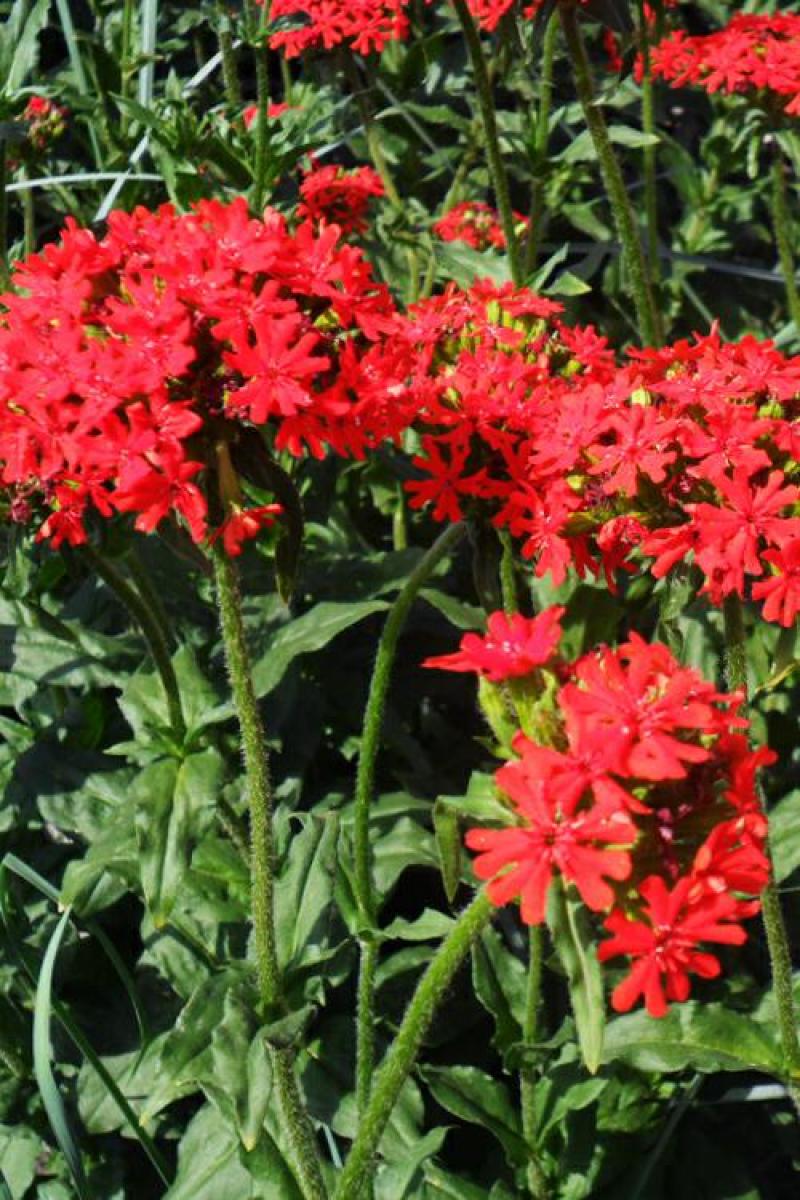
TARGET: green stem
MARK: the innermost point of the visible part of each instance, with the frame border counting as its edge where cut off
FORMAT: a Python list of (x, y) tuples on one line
[(650, 152), (496, 165), (508, 580), (541, 143), (4, 272), (771, 914), (633, 254), (152, 630), (396, 1067), (371, 131), (125, 57), (258, 21), (230, 73), (782, 226), (365, 785), (259, 786), (296, 1120), (537, 1180)]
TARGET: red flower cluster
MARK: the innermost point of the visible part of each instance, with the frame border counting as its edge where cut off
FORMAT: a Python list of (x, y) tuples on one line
[(641, 795), (334, 195), (364, 25), (685, 453), (476, 224), (126, 362), (751, 53)]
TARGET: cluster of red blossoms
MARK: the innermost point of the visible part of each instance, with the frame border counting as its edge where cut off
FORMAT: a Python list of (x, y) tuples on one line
[(132, 367), (634, 784), (476, 224), (363, 25), (335, 195), (751, 53), (686, 454)]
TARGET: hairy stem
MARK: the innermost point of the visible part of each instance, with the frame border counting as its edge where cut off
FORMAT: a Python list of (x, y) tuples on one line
[(537, 1180), (154, 634), (371, 131), (296, 1121), (360, 1166), (497, 168), (649, 152), (230, 72), (771, 913), (633, 255), (541, 143), (365, 785), (782, 227), (258, 20)]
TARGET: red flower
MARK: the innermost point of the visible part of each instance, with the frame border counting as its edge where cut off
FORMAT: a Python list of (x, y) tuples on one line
[(585, 845), (514, 646), (664, 944)]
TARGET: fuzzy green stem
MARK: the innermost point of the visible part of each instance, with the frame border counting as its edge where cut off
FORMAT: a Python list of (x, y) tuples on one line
[(633, 254), (650, 152), (497, 168), (298, 1123), (258, 22), (259, 786), (230, 73), (125, 57), (359, 1168), (537, 1180), (4, 272), (541, 143), (154, 634), (365, 785), (782, 227), (296, 1120), (508, 579), (371, 131), (771, 914)]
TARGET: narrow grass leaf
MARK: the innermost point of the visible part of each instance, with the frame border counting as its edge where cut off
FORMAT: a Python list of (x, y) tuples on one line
[(42, 1069), (149, 26)]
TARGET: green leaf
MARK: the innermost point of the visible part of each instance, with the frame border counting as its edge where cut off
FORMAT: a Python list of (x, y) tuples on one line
[(401, 1181), (313, 631), (209, 1167), (185, 1055), (22, 32), (574, 942), (174, 806), (443, 1185), (476, 1097), (430, 925), (479, 803), (706, 1037), (304, 892), (500, 982), (448, 846), (42, 1055), (784, 835), (19, 1154)]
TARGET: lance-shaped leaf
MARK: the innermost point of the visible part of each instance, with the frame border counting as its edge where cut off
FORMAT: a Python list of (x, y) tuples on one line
[(574, 942)]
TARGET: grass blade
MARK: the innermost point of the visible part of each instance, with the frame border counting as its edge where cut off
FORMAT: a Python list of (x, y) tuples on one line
[(147, 50), (76, 62), (42, 1069), (37, 881)]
